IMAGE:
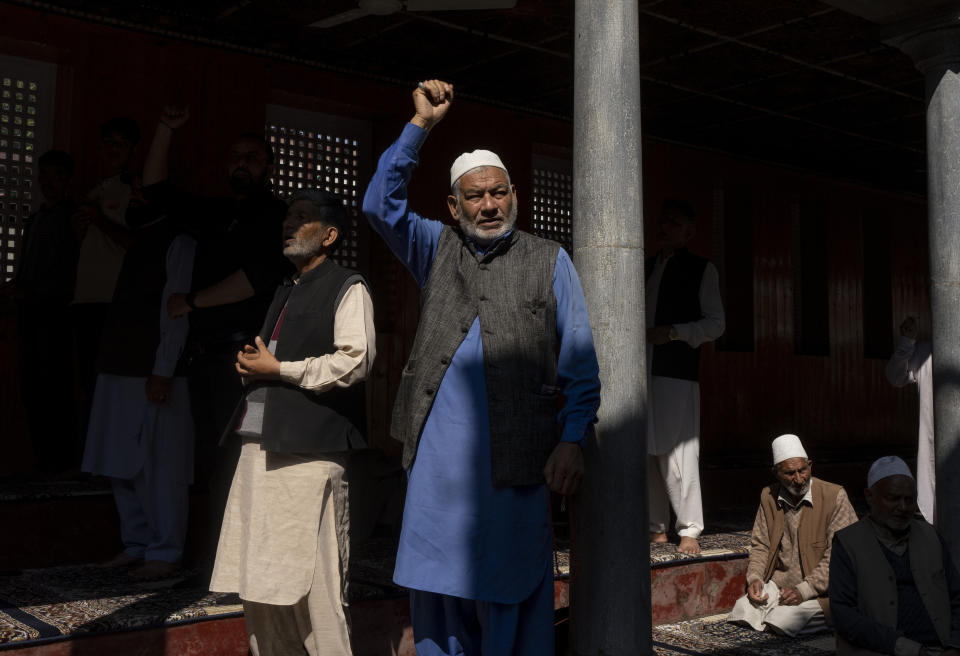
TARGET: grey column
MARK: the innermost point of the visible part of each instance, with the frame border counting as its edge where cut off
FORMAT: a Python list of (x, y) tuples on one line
[(610, 605), (936, 50)]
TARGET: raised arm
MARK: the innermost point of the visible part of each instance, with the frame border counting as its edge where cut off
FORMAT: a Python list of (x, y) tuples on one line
[(411, 237), (907, 358), (155, 166)]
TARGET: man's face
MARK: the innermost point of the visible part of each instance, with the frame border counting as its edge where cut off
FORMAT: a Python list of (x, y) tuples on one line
[(115, 151), (794, 475), (53, 184), (675, 229), (486, 205), (304, 233), (247, 166), (893, 502)]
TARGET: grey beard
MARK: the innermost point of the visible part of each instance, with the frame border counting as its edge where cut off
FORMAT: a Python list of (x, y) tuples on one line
[(471, 230), (302, 250), (798, 492)]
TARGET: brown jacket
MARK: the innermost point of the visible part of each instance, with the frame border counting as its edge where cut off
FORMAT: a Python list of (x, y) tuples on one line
[(814, 533)]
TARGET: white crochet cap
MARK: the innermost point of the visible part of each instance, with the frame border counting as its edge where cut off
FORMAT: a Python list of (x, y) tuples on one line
[(887, 466), (468, 161), (786, 447)]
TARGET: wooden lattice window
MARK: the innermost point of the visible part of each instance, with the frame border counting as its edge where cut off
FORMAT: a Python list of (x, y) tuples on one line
[(553, 200), (26, 123), (314, 150)]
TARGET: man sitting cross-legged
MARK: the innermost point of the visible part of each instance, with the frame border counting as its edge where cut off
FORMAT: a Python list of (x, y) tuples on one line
[(790, 547), (893, 586)]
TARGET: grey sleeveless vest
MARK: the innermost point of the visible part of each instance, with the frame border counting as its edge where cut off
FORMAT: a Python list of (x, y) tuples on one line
[(510, 287)]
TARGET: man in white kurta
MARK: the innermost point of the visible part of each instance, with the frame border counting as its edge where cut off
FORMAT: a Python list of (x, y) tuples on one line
[(912, 362), (673, 410), (141, 437), (284, 544)]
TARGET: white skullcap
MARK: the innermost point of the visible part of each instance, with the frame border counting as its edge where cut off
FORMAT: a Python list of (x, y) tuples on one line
[(887, 466), (786, 447), (468, 161)]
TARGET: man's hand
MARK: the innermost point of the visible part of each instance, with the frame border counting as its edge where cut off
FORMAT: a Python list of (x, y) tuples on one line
[(564, 469), (174, 116), (82, 219), (658, 335), (256, 362), (177, 306), (790, 597), (158, 388), (755, 594), (909, 328), (431, 100)]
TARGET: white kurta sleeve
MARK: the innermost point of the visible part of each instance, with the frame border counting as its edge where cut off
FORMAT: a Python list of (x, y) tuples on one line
[(355, 338), (173, 332), (712, 323)]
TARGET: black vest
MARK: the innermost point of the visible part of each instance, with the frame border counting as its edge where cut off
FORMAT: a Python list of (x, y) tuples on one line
[(678, 301), (131, 330), (296, 420)]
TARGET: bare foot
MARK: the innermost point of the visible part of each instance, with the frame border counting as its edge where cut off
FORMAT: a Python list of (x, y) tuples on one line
[(122, 559), (154, 569), (688, 545), (658, 538)]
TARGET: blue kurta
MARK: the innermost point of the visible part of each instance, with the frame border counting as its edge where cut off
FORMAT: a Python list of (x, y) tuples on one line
[(461, 536)]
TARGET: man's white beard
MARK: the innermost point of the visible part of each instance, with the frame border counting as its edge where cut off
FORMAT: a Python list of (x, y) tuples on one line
[(486, 237), (302, 249), (798, 491)]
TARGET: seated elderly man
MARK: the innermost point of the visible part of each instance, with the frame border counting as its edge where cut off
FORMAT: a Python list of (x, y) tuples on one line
[(893, 586), (790, 546)]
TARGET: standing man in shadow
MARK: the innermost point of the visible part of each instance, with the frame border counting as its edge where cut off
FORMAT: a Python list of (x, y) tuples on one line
[(683, 313)]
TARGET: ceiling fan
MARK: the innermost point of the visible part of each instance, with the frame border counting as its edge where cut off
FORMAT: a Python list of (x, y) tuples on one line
[(385, 7)]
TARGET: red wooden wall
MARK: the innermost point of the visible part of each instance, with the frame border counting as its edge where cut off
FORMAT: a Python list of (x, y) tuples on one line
[(748, 397)]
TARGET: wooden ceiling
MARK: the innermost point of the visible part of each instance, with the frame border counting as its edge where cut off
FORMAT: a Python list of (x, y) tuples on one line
[(796, 82)]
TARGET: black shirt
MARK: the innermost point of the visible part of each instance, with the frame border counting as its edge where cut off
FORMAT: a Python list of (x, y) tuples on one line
[(231, 234)]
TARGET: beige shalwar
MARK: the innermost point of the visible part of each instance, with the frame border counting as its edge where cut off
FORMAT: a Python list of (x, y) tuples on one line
[(284, 542)]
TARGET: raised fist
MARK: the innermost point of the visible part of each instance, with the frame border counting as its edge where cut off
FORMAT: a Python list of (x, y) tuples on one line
[(431, 100), (909, 328), (174, 116)]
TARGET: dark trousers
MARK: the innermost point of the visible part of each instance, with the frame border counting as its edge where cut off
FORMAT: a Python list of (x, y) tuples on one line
[(44, 360), (86, 320), (215, 391)]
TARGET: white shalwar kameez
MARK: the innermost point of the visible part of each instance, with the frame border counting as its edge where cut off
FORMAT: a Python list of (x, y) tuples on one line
[(912, 362), (147, 449), (673, 415)]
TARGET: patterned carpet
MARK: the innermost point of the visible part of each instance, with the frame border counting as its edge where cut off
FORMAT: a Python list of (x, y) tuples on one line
[(47, 604), (50, 603), (713, 636), (715, 546), (53, 602)]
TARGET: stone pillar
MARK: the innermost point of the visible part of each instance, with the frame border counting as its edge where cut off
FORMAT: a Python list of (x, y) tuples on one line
[(610, 605), (936, 51)]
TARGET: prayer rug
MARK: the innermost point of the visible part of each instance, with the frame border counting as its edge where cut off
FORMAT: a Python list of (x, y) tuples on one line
[(714, 636), (713, 546), (38, 605), (45, 604)]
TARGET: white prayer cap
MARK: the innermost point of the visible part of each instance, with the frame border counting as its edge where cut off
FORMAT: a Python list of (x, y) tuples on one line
[(786, 447), (887, 466), (468, 161)]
